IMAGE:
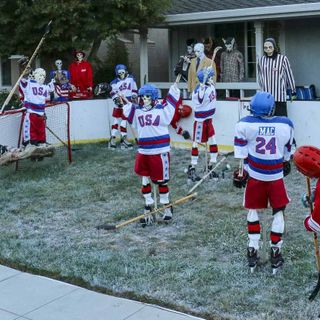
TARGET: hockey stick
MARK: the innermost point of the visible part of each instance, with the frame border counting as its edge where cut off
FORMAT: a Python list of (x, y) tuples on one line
[(215, 51), (28, 66), (174, 203), (316, 245), (207, 174)]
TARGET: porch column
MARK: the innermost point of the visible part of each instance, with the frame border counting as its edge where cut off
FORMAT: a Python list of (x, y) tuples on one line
[(259, 42), (143, 56)]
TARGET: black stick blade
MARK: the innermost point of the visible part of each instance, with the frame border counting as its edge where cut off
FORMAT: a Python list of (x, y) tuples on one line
[(315, 290), (106, 227), (48, 27)]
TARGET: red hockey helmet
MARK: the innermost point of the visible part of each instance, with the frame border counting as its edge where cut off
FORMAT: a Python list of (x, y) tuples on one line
[(185, 110), (307, 161)]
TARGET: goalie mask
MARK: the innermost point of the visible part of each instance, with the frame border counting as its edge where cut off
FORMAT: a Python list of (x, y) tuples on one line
[(39, 75), (121, 71), (148, 95), (229, 43), (307, 161), (262, 104)]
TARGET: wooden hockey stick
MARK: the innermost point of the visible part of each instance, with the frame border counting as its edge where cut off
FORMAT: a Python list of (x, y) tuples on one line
[(316, 245), (28, 66), (174, 203), (207, 174)]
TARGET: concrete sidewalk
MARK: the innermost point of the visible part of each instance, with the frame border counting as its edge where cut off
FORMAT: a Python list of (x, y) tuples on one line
[(30, 297)]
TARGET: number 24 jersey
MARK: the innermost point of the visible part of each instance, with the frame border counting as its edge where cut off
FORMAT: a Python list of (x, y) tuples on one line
[(264, 143)]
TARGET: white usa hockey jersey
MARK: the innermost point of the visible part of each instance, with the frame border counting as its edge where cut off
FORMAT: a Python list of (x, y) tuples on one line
[(126, 87), (152, 125), (35, 95), (203, 101), (265, 142)]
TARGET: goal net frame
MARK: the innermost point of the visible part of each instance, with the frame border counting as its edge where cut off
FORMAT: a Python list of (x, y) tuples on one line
[(57, 126)]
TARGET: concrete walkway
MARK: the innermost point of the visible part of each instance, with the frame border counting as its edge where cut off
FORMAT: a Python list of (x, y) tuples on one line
[(29, 297)]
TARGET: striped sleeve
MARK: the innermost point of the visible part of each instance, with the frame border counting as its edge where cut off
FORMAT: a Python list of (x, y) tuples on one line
[(289, 75), (240, 142), (129, 112)]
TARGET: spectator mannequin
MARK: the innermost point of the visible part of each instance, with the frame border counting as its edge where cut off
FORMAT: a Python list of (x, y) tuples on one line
[(182, 67), (198, 63), (80, 77), (62, 82), (275, 75), (232, 64)]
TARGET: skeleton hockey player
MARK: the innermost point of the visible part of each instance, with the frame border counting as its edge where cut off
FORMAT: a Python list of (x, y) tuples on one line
[(203, 100), (125, 85), (35, 94), (265, 143), (151, 119)]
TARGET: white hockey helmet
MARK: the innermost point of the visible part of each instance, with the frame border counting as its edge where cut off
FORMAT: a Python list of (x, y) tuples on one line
[(39, 75)]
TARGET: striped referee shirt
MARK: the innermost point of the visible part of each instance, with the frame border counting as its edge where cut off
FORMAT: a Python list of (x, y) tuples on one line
[(275, 76)]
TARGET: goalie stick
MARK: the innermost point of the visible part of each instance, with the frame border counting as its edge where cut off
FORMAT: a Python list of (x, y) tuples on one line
[(316, 245), (28, 66), (174, 203)]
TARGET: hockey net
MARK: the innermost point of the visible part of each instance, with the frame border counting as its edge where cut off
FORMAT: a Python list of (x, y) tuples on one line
[(57, 128)]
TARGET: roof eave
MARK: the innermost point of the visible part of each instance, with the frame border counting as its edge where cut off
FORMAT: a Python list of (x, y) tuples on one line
[(257, 13)]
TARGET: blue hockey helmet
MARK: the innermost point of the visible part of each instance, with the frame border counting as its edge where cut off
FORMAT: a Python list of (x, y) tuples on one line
[(204, 74), (262, 104), (120, 67), (149, 90)]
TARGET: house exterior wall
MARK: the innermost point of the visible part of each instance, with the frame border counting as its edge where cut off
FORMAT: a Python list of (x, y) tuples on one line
[(302, 47), (158, 55)]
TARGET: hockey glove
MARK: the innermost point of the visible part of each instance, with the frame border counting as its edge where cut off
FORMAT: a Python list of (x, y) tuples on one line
[(118, 102), (240, 181), (305, 198), (186, 134), (286, 168)]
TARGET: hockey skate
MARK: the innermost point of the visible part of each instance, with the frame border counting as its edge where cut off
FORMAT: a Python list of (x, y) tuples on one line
[(125, 144), (167, 215), (191, 173), (112, 143), (252, 255), (276, 259), (213, 174), (147, 220)]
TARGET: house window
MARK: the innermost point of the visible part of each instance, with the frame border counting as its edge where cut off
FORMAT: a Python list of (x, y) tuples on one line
[(250, 54), (5, 72)]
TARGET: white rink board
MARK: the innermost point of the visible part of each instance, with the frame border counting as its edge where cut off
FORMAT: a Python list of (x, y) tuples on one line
[(91, 121)]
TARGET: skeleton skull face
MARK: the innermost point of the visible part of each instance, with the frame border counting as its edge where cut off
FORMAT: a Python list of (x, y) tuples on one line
[(268, 48), (147, 102), (198, 50), (58, 64), (79, 56), (121, 73)]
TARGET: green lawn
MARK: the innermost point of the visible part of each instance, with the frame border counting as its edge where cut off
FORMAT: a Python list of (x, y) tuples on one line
[(196, 264)]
